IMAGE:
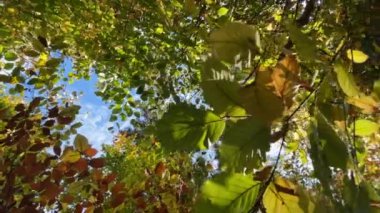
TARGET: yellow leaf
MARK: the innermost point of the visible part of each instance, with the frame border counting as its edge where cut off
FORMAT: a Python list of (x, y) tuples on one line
[(70, 156), (43, 59), (357, 56), (368, 104), (260, 101), (284, 77)]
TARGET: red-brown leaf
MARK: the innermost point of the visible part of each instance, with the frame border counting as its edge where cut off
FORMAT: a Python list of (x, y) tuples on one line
[(160, 169), (118, 199), (51, 190), (81, 165), (97, 162), (118, 187), (67, 198)]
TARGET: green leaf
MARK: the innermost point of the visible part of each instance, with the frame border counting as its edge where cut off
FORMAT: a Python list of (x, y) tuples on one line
[(235, 193), (70, 156), (81, 143), (304, 45), (222, 11), (234, 39), (346, 80), (245, 145), (184, 127), (376, 88), (8, 66), (219, 89), (321, 167), (223, 96), (31, 53), (365, 127), (356, 197), (332, 147), (356, 56), (10, 56)]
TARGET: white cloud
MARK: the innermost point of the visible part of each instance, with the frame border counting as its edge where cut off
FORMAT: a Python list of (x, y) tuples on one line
[(95, 124)]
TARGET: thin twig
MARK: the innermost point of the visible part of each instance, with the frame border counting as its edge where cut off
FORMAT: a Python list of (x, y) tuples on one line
[(285, 128)]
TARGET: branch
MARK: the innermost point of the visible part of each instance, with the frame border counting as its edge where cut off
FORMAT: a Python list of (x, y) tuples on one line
[(303, 19)]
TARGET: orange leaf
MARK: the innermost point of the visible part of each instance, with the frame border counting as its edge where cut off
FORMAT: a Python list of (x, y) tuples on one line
[(90, 152)]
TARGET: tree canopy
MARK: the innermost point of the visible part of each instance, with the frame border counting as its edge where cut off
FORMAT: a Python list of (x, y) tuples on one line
[(286, 93)]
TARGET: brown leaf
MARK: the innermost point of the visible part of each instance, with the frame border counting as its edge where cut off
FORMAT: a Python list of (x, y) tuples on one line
[(160, 169), (51, 190), (81, 165), (97, 162), (64, 120), (34, 103), (140, 203), (36, 186), (45, 131), (109, 178), (38, 147), (117, 199), (117, 188), (97, 175), (67, 198), (78, 208), (20, 107), (53, 112), (49, 123)]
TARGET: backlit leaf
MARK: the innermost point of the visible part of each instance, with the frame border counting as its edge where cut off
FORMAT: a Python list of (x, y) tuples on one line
[(10, 56), (365, 127), (284, 77), (356, 56), (234, 39), (184, 127), (332, 147), (282, 196), (367, 103), (81, 143), (260, 99), (90, 152), (70, 156), (245, 145), (346, 80), (305, 47), (235, 193), (222, 11)]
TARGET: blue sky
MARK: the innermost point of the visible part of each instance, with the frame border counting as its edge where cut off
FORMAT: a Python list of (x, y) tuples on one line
[(94, 113)]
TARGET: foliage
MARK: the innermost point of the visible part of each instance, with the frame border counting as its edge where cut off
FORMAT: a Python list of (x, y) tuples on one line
[(156, 182), (38, 173)]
